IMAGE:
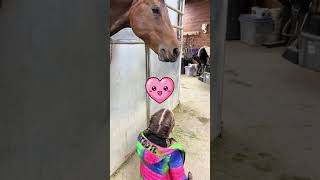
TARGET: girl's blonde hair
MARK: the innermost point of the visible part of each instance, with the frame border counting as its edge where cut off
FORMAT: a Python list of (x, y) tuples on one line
[(162, 123)]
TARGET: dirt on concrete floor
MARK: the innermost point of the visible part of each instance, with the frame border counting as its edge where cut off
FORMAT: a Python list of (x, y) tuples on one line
[(270, 118), (192, 130)]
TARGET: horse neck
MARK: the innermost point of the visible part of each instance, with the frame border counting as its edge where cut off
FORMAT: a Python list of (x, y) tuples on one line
[(118, 8)]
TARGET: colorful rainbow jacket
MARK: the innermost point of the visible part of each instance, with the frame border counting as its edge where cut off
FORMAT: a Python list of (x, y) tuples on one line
[(158, 163)]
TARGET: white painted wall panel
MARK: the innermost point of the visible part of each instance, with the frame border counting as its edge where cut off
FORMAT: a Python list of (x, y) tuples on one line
[(128, 108)]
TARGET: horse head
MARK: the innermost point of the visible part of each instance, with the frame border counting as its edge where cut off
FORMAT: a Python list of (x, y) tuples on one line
[(149, 20)]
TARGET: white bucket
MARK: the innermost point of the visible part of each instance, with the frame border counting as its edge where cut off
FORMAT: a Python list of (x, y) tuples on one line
[(275, 13), (260, 12), (191, 70)]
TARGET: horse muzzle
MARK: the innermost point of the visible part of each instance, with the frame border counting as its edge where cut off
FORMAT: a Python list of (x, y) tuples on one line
[(166, 55)]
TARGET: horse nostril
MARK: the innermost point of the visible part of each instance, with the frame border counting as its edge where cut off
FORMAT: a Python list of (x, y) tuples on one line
[(176, 52), (162, 51)]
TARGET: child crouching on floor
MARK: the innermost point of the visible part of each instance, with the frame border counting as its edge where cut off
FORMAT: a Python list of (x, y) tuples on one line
[(161, 157)]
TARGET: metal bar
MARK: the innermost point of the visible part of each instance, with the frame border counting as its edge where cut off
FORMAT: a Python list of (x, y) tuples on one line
[(147, 51), (180, 23), (128, 42), (177, 27), (182, 6), (174, 9)]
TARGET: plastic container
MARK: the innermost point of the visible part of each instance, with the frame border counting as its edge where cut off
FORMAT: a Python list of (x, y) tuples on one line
[(235, 8), (260, 12), (275, 13), (275, 35), (190, 70), (255, 31), (309, 51)]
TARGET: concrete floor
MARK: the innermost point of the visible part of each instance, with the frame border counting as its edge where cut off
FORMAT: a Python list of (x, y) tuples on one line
[(271, 115), (192, 130)]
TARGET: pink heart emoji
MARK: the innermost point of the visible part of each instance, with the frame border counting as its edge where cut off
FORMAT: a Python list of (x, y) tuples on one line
[(159, 90)]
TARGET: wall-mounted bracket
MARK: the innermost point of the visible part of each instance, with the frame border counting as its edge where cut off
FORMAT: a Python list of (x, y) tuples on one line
[(191, 33)]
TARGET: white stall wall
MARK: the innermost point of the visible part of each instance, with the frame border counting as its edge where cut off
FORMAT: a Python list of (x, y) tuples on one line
[(129, 104), (128, 108)]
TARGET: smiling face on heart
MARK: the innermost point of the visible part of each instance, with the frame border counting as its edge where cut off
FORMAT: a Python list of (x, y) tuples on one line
[(159, 90)]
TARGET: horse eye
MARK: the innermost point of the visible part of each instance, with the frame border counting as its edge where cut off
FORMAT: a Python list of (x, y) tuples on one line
[(156, 11)]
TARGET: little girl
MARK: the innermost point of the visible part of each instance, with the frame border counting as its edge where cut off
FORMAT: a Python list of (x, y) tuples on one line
[(161, 157)]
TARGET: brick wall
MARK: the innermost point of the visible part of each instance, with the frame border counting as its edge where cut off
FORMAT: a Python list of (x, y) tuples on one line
[(197, 12), (272, 4)]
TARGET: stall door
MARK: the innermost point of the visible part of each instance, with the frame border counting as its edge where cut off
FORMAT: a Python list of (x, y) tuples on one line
[(53, 90)]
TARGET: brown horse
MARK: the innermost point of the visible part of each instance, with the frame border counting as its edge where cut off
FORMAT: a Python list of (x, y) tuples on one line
[(149, 20)]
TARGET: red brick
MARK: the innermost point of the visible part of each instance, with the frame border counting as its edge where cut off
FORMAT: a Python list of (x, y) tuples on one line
[(197, 12)]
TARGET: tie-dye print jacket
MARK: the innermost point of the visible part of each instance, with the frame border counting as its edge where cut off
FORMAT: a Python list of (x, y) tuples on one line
[(158, 163)]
